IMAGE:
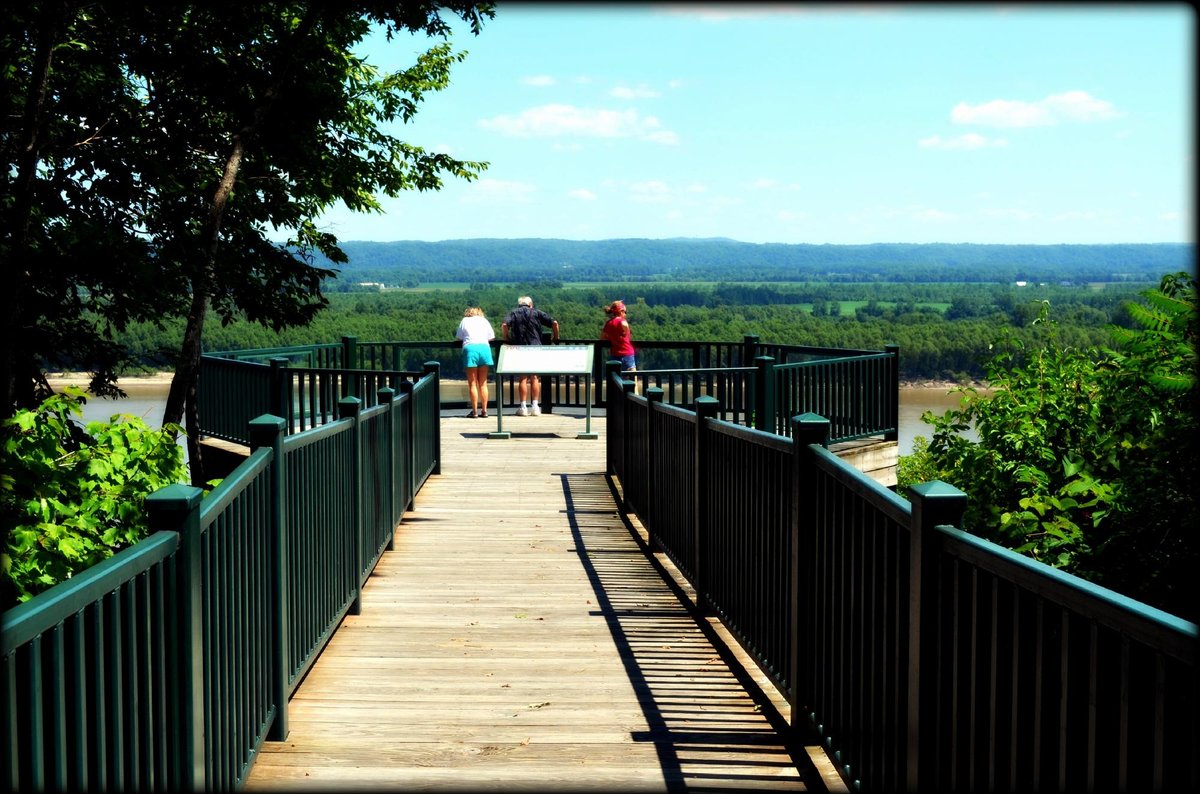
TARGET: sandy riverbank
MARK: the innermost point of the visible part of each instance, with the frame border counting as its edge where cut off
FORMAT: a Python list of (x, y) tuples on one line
[(58, 380)]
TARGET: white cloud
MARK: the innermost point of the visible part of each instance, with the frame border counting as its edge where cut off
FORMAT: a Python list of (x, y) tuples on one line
[(663, 136), (1008, 214), (653, 191), (539, 80), (725, 13), (498, 191), (554, 120), (640, 92), (1069, 106), (970, 140), (582, 193)]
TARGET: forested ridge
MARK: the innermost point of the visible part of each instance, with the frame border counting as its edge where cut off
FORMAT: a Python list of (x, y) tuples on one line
[(944, 330), (408, 262)]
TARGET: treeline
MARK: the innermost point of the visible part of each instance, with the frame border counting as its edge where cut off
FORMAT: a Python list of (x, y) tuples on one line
[(944, 330), (411, 263)]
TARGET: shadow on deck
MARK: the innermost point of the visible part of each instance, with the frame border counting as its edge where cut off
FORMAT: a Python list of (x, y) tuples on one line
[(521, 636)]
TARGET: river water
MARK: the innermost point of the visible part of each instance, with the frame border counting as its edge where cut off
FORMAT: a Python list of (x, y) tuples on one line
[(148, 399)]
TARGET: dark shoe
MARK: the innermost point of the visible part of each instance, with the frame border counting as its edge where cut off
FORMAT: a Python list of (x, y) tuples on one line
[(472, 415), (483, 415)]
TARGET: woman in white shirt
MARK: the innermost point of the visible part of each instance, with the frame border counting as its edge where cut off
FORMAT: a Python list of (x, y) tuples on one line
[(476, 334)]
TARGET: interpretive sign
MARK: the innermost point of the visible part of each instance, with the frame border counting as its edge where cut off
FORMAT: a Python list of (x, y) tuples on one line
[(544, 360)]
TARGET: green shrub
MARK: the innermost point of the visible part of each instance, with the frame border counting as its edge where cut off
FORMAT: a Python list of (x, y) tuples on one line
[(1086, 458), (69, 496)]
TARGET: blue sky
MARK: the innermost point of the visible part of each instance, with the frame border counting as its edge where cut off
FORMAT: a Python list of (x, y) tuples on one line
[(810, 123)]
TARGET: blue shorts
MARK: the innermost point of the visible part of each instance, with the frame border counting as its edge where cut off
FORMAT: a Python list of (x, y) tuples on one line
[(478, 355), (628, 362)]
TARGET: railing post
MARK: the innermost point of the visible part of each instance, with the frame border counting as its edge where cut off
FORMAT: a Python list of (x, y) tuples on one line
[(349, 362), (351, 408), (807, 429), (749, 349), (410, 447), (599, 360), (611, 368), (268, 431), (280, 403), (933, 504), (177, 508), (706, 409), (387, 396), (764, 393), (626, 451), (435, 368), (893, 391), (654, 397)]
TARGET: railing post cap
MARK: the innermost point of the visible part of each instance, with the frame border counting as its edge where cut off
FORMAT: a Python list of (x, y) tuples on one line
[(654, 394), (936, 489), (349, 406), (707, 405), (386, 394), (267, 421), (811, 428), (265, 429), (174, 497), (937, 503)]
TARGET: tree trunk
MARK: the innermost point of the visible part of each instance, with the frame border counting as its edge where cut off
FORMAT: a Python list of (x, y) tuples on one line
[(182, 394), (15, 271)]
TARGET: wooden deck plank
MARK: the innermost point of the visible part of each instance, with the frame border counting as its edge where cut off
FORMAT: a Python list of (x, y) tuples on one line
[(520, 638)]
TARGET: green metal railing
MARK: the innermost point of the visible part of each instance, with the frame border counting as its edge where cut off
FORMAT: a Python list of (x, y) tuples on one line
[(756, 384), (925, 658), (165, 667)]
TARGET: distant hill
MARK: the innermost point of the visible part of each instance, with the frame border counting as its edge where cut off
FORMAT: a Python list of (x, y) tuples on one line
[(715, 259)]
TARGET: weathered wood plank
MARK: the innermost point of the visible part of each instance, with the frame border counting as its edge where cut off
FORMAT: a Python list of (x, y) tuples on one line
[(519, 637)]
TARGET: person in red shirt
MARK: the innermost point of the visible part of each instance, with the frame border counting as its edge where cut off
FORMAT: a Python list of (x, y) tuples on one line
[(620, 340)]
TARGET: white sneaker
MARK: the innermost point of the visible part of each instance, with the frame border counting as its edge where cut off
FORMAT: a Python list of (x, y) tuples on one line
[(536, 410), (522, 411)]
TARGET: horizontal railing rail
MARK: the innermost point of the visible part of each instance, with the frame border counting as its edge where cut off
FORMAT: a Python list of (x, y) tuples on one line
[(925, 658), (166, 666)]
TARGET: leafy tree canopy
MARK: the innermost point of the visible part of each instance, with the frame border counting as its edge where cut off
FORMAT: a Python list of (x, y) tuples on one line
[(153, 147)]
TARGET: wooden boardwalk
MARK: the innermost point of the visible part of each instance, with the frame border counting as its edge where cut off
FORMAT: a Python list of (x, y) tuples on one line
[(520, 637)]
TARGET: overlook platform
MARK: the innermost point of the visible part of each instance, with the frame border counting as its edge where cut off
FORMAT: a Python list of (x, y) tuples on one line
[(522, 636)]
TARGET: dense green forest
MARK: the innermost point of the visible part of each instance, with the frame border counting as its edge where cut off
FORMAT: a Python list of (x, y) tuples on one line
[(944, 330), (410, 263)]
